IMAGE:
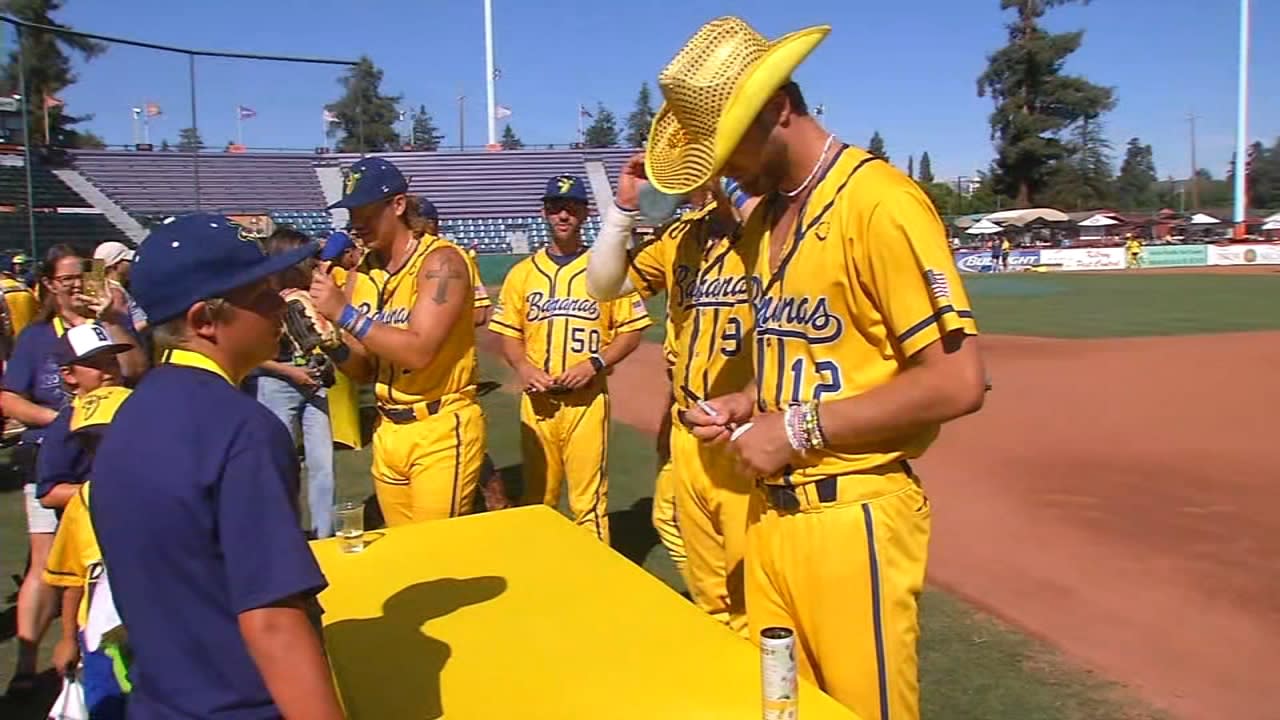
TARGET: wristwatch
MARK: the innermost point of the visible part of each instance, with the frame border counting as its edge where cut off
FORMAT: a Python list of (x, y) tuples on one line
[(597, 362)]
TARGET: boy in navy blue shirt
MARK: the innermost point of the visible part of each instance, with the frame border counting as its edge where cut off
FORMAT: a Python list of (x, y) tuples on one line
[(195, 495)]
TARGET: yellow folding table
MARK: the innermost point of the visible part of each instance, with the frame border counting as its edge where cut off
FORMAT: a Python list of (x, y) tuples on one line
[(519, 614)]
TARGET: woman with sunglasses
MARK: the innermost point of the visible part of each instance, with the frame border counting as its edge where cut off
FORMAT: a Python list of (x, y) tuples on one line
[(33, 394)]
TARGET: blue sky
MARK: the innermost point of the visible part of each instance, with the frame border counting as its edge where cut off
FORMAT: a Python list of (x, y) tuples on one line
[(907, 68)]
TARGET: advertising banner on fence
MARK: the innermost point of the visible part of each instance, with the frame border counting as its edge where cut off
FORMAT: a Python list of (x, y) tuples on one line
[(1244, 254), (1175, 256), (980, 261), (1084, 258)]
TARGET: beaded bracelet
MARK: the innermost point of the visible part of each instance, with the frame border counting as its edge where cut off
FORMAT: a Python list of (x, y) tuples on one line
[(793, 422), (813, 426)]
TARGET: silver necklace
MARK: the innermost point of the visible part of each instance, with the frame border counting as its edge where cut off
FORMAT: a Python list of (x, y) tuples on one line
[(812, 173)]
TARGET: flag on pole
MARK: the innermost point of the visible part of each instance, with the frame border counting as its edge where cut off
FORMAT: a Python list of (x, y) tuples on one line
[(330, 117), (153, 110), (584, 112), (52, 101), (501, 111), (246, 113)]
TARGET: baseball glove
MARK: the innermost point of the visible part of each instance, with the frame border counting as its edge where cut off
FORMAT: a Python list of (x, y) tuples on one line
[(307, 328)]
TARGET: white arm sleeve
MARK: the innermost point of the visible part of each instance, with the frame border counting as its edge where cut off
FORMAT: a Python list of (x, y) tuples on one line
[(607, 262)]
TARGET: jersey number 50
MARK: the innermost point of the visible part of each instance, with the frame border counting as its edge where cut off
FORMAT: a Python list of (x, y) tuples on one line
[(583, 340)]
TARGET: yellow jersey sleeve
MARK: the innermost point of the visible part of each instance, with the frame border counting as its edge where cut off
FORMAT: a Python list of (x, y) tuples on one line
[(508, 316), (73, 546), (477, 283), (914, 280), (649, 264), (629, 314)]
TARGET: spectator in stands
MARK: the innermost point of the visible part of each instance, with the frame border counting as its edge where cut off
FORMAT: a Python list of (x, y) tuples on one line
[(295, 386), (361, 290), (195, 495), (24, 271), (22, 303), (33, 395), (118, 259)]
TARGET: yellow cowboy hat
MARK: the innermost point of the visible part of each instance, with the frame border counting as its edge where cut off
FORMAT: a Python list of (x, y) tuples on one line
[(713, 88), (97, 407)]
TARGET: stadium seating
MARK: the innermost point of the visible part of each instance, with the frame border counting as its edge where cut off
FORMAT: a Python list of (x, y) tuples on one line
[(46, 189), (162, 182), (85, 231), (311, 222), (483, 197)]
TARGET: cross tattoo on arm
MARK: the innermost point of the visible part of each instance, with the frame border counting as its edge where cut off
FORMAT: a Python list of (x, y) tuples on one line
[(445, 270)]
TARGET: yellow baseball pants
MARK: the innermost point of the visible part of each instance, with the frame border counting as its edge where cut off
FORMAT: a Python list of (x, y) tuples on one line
[(565, 440), (712, 499), (664, 496), (846, 576), (428, 469)]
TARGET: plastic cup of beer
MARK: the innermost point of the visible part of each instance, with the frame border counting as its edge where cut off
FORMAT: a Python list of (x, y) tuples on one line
[(349, 525)]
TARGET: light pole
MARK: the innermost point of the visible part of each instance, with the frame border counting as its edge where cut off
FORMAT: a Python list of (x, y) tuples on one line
[(488, 66), (1242, 122)]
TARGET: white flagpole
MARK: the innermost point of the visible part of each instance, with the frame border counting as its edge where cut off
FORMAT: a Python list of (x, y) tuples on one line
[(488, 66), (1242, 121), (239, 127), (146, 123)]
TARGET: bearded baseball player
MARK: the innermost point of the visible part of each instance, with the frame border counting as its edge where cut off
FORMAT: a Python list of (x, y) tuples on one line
[(864, 346), (561, 342)]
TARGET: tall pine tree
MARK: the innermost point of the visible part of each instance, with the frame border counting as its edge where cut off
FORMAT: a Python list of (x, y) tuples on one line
[(48, 71), (426, 136), (189, 140), (1035, 101), (1083, 179), (603, 132), (510, 141), (925, 176), (1135, 185), (911, 166), (876, 146), (640, 119), (366, 117)]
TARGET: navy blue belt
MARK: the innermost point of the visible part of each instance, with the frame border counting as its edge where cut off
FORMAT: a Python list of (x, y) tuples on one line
[(404, 415), (784, 499)]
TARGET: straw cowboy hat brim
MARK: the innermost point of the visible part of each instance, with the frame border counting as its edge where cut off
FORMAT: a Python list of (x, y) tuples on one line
[(706, 111)]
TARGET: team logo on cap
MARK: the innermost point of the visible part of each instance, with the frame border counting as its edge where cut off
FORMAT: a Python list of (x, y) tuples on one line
[(353, 177), (566, 183)]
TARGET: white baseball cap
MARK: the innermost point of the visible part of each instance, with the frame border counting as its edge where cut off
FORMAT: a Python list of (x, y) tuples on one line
[(112, 252), (86, 341)]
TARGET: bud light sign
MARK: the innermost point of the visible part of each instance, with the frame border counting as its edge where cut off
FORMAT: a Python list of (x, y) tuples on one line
[(982, 261)]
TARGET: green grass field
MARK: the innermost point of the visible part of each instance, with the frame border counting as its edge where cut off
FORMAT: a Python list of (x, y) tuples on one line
[(971, 665)]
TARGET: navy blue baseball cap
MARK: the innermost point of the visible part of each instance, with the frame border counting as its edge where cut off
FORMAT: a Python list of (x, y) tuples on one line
[(566, 187), (427, 209), (368, 181), (200, 256), (336, 244)]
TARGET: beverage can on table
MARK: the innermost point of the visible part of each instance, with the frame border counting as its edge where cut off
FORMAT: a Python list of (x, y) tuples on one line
[(778, 673)]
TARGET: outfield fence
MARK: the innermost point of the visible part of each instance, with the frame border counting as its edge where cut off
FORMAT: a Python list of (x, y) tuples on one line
[(1115, 258)]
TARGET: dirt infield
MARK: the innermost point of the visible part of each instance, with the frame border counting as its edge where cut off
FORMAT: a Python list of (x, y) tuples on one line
[(1116, 498)]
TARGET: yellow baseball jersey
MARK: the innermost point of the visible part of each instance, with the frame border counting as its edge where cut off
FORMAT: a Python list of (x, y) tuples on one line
[(453, 370), (22, 303), (864, 282), (482, 299), (547, 306), (75, 549), (708, 284)]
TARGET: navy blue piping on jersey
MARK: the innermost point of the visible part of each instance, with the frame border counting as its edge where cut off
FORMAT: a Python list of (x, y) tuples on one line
[(876, 620), (551, 290), (933, 318)]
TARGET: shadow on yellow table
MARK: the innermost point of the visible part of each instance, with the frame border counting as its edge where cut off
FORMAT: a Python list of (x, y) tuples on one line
[(519, 614)]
